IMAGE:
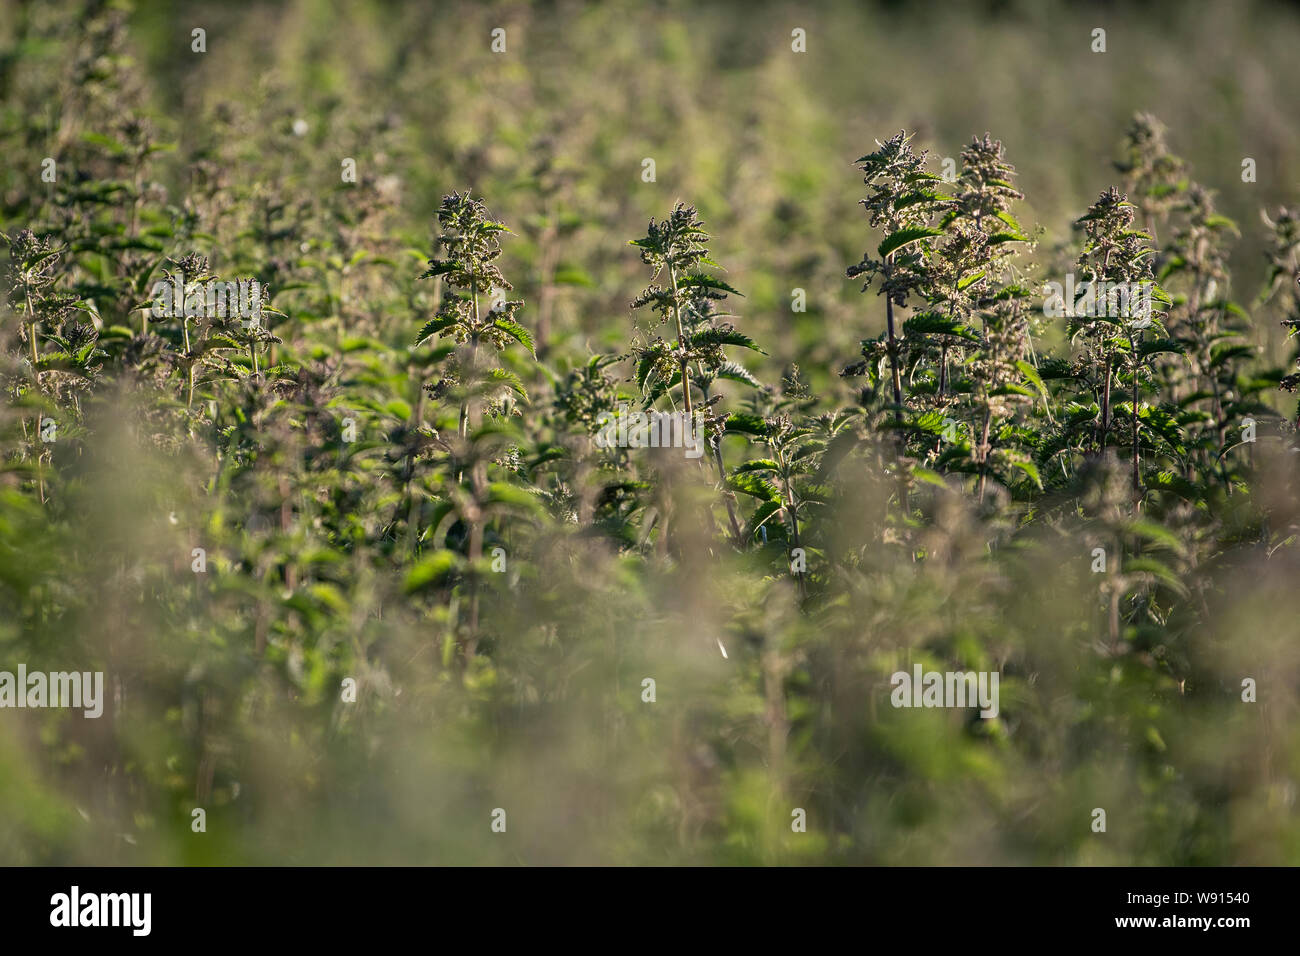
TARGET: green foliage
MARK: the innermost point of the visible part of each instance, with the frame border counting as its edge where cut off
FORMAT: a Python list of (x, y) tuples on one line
[(405, 480)]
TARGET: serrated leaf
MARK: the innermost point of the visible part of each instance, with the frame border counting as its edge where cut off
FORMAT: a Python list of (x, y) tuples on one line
[(517, 332), (904, 237)]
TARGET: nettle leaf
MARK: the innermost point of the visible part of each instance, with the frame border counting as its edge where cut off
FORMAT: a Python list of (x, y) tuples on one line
[(1008, 293), (1159, 570), (572, 275), (741, 424), (751, 484), (1154, 533), (930, 423), (735, 372), (701, 281), (1159, 346), (649, 361), (435, 327), (1031, 373), (1010, 221), (929, 476), (758, 464), (517, 332), (216, 342), (1030, 469), (904, 237), (1222, 355), (936, 323), (1176, 484), (515, 496), (921, 196), (433, 570), (1221, 222), (762, 515), (439, 267), (506, 377), (717, 336), (116, 147)]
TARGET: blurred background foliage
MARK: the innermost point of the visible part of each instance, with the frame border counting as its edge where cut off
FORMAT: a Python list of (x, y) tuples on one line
[(224, 687)]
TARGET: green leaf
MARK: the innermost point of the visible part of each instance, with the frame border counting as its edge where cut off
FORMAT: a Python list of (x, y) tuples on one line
[(904, 237), (517, 332), (701, 281), (435, 327), (720, 336), (928, 475), (432, 570), (1030, 469), (504, 493), (1154, 533), (1031, 373), (758, 464), (741, 424), (920, 196), (572, 275), (1159, 569), (935, 323), (509, 378), (751, 484), (735, 372)]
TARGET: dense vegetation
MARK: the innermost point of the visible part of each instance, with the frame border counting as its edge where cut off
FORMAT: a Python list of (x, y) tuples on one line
[(364, 571)]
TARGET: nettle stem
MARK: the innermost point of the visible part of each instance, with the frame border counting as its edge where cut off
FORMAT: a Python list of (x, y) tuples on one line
[(413, 509), (478, 481), (727, 497), (681, 342), (895, 374), (189, 403), (1105, 407), (473, 351), (1137, 451), (984, 450), (793, 511), (36, 376)]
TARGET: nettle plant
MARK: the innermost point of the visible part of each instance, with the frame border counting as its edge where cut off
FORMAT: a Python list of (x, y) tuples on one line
[(1283, 255), (902, 205), (62, 357), (1203, 375), (474, 310), (473, 313), (1118, 311), (683, 297), (964, 350)]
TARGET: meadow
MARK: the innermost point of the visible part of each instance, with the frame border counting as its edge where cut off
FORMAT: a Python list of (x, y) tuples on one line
[(543, 434)]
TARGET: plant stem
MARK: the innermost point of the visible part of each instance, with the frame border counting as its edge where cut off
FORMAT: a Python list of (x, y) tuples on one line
[(893, 345), (36, 375), (681, 342)]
